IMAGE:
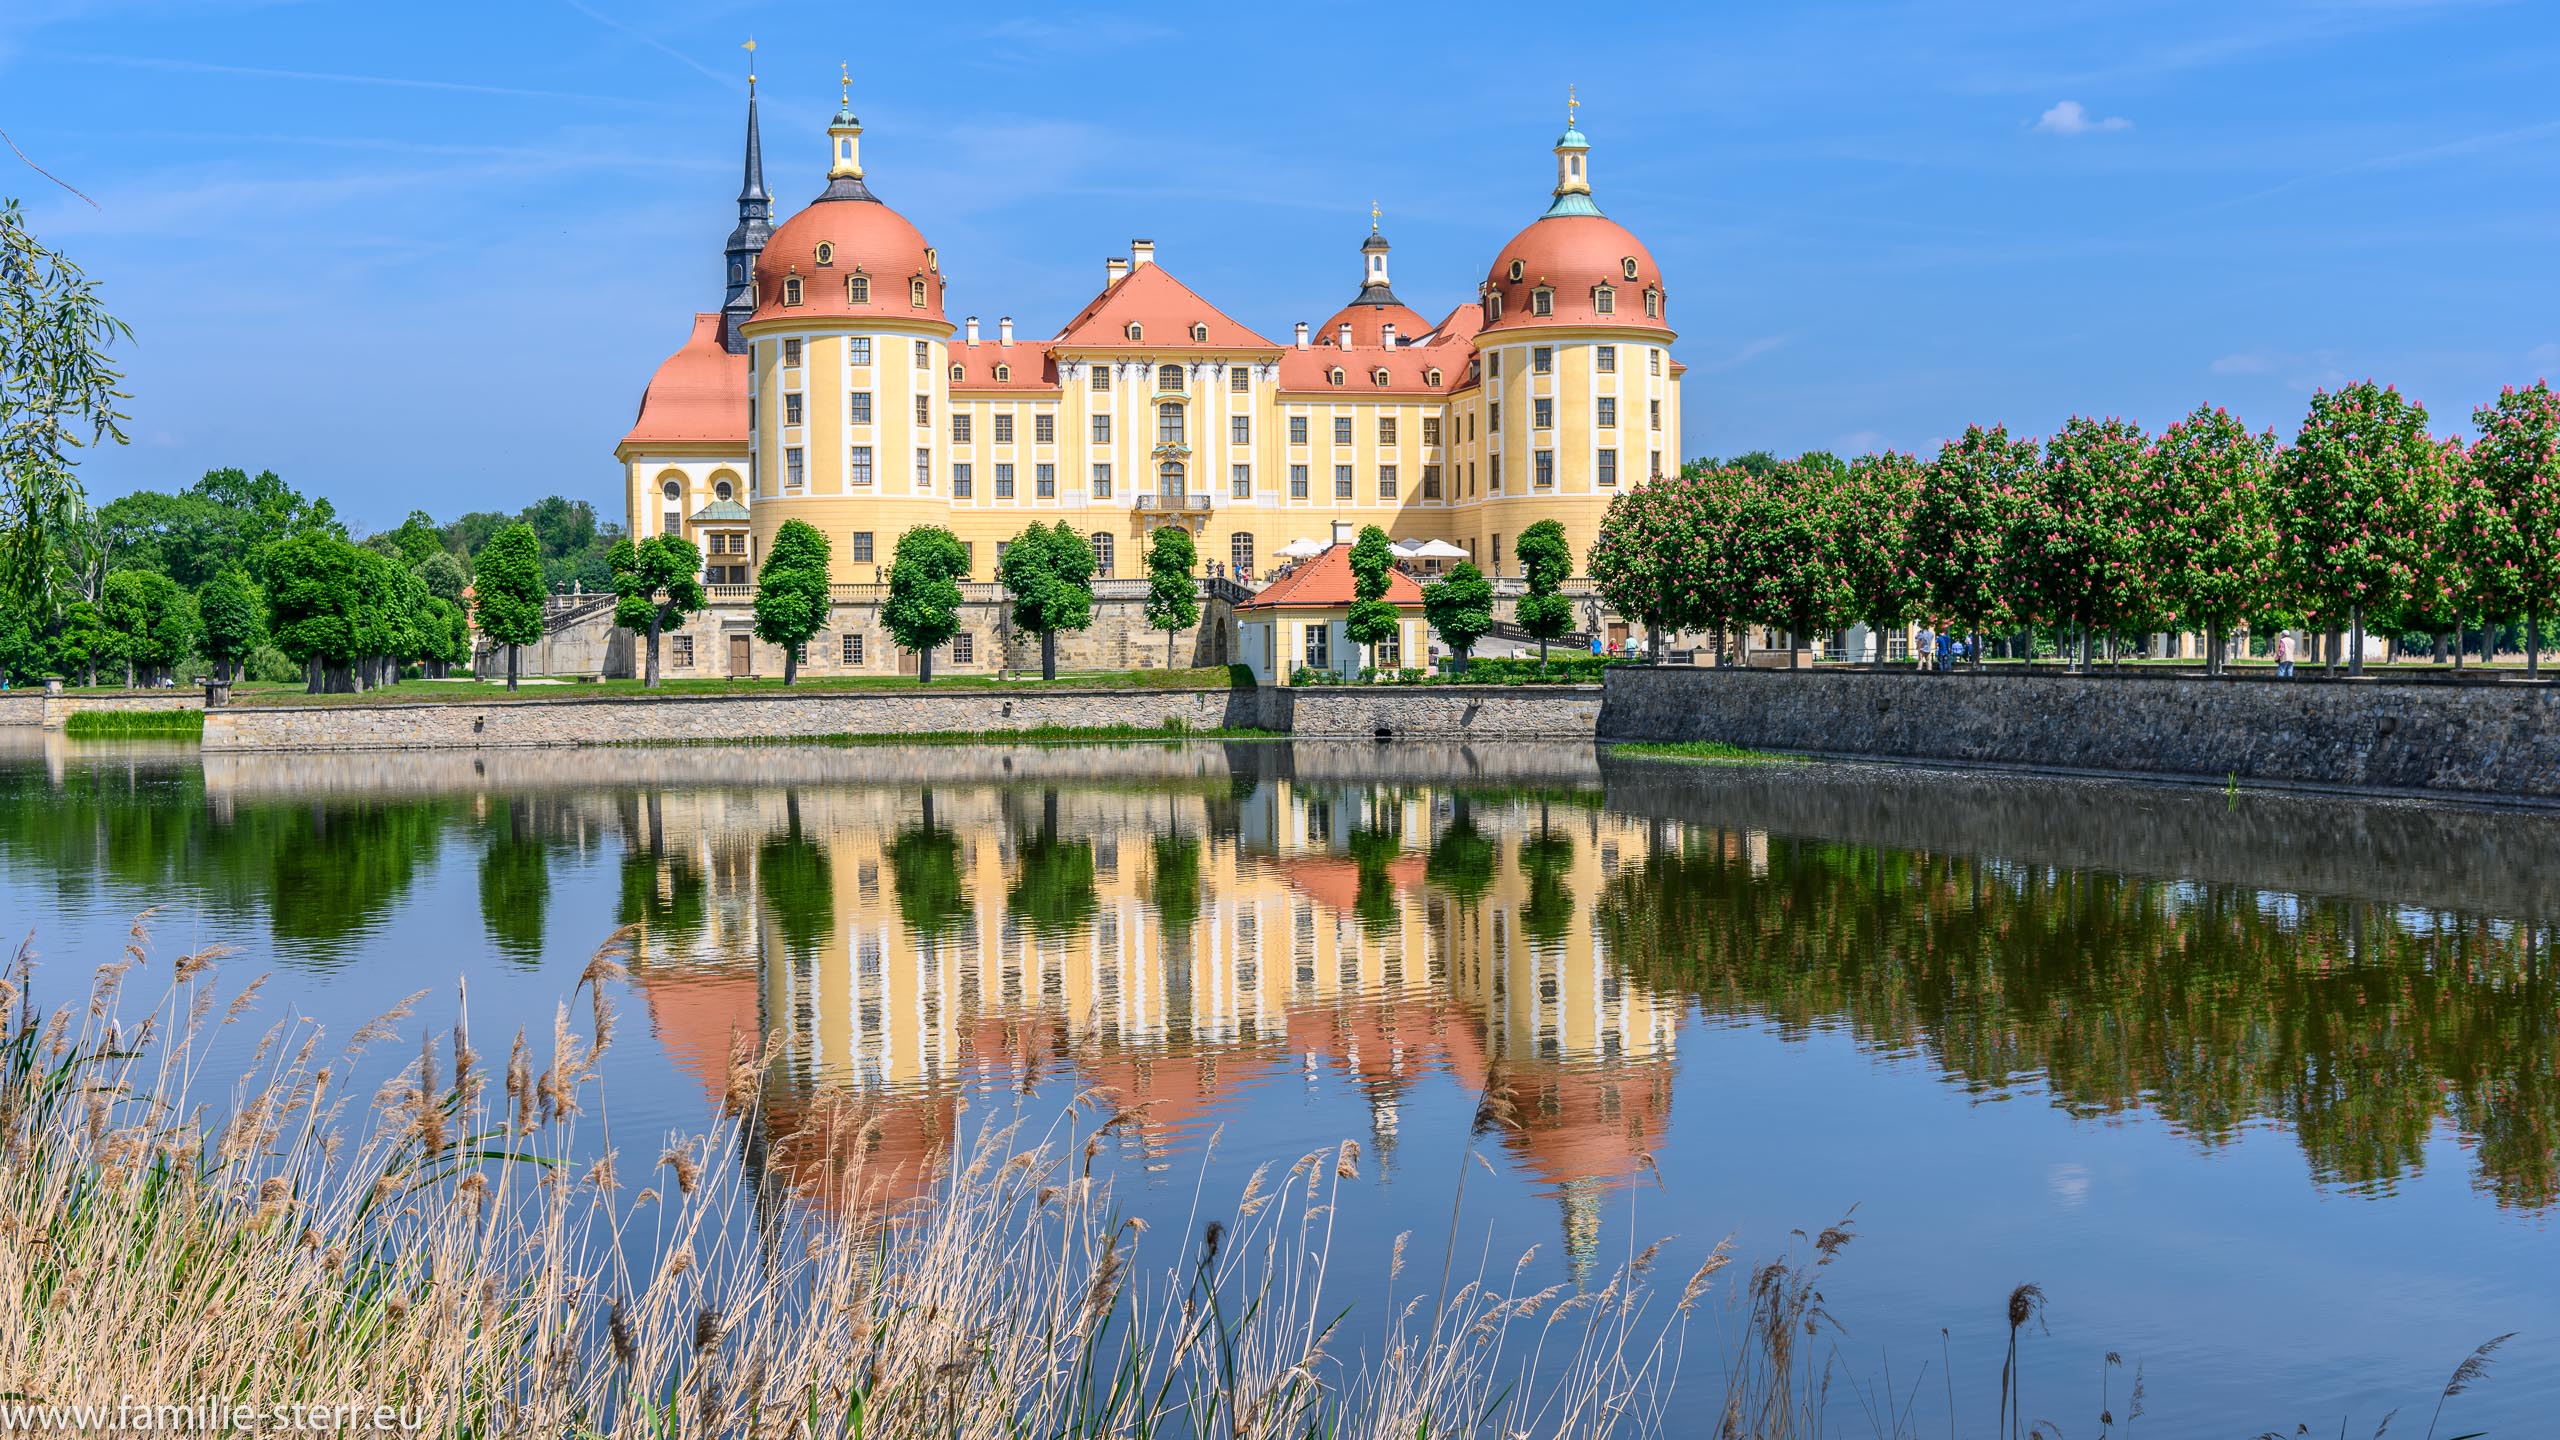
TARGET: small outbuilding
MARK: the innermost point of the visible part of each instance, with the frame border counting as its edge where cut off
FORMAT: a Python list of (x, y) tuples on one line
[(1300, 621)]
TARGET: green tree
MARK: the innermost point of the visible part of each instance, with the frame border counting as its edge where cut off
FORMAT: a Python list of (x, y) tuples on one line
[(151, 621), (792, 595), (931, 884), (796, 881), (1961, 519), (923, 610), (659, 581), (1780, 553), (79, 644), (1048, 570), (332, 608), (1460, 606), (442, 573), (2072, 555), (1654, 558), (57, 394), (2514, 479), (507, 592), (1372, 621), (1052, 891), (1546, 559), (515, 882), (1173, 601), (445, 631), (1871, 533), (2358, 498), (2209, 540)]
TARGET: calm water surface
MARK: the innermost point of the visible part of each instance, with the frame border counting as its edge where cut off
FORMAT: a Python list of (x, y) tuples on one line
[(2263, 1090)]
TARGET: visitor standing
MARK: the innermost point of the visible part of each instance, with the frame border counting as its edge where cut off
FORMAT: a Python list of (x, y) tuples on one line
[(2284, 654), (1921, 640)]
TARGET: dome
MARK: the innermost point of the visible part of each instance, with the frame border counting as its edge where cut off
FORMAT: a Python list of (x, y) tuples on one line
[(1577, 258), (1368, 320), (858, 236)]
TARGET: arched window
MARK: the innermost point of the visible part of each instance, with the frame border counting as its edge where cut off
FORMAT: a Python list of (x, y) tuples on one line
[(1431, 377), (1542, 301), (1169, 482), (1335, 375), (1169, 424), (1200, 334), (915, 292), (1240, 552), (957, 374), (791, 290), (1493, 306), (1169, 379), (826, 252), (1101, 555), (1136, 331), (1378, 377), (673, 489), (1003, 373), (857, 289), (1627, 267)]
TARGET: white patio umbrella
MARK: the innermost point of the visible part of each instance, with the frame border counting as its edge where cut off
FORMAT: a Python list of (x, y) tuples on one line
[(1302, 549), (1436, 550), (1405, 548)]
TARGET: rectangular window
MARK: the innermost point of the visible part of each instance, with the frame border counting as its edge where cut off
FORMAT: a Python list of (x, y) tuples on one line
[(1387, 482), (1542, 414), (1430, 482), (1656, 407), (1493, 474), (795, 468), (1044, 429), (964, 481), (1607, 475), (791, 409), (671, 523), (1240, 430), (861, 407), (1542, 359), (1656, 470), (861, 547), (924, 410), (1004, 429), (961, 427), (1239, 379), (790, 352), (1297, 429), (1297, 482), (1101, 482), (1169, 425), (1342, 430), (861, 350), (681, 648), (924, 468), (1604, 301), (1240, 482), (1493, 416), (853, 649), (1430, 429), (1044, 482), (1544, 478), (1341, 482), (964, 649), (1101, 429), (1004, 481), (1497, 552), (1653, 361), (1606, 357), (1101, 379), (861, 467), (924, 356), (1319, 646), (1542, 302), (1386, 429), (968, 558), (1240, 552), (1493, 365), (1608, 416), (1390, 652)]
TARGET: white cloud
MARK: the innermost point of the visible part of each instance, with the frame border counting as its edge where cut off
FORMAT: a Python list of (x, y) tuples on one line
[(2242, 365), (2546, 356), (2070, 117)]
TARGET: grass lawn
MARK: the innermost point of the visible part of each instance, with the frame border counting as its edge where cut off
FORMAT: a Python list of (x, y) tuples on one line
[(484, 692), (1700, 752)]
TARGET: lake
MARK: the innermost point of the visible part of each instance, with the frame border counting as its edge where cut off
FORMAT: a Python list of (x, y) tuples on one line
[(2262, 1089)]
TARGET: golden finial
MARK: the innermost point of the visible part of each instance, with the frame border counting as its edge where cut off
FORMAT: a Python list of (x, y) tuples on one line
[(844, 74), (1572, 102), (1373, 217), (750, 48)]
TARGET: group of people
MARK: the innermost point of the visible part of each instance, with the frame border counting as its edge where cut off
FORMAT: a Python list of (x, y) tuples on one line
[(1936, 650)]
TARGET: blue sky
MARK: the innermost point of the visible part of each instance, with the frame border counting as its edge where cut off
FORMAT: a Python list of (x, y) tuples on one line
[(414, 255)]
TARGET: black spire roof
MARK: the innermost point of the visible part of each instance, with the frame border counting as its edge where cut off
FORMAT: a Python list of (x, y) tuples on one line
[(746, 242)]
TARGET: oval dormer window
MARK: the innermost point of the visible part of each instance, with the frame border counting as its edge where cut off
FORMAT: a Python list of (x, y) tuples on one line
[(1627, 267), (826, 252)]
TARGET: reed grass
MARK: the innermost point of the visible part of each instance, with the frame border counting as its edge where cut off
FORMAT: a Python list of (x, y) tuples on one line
[(134, 724), (1714, 752)]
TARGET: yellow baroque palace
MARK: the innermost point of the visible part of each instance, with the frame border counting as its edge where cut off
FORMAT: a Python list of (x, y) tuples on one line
[(833, 387)]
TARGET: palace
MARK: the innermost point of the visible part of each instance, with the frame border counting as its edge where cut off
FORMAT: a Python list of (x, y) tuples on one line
[(833, 387)]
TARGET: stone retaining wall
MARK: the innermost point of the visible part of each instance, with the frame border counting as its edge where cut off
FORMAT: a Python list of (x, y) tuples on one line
[(1439, 712), (39, 710), (2499, 739)]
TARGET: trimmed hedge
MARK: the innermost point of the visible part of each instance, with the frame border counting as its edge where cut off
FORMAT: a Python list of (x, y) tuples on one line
[(1563, 669)]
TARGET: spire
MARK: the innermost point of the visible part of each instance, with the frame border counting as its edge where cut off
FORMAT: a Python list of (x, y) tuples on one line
[(1373, 266), (1573, 169), (755, 227)]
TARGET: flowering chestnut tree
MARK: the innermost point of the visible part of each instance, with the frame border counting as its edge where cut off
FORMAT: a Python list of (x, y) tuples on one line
[(2360, 497), (2512, 495), (2207, 538), (2072, 555), (1871, 534), (1782, 557), (1957, 528)]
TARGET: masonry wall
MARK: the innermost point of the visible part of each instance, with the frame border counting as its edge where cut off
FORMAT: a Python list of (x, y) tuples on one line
[(1406, 713), (36, 709), (2496, 739)]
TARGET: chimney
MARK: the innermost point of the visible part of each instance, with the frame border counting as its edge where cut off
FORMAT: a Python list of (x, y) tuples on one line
[(1302, 334), (973, 329), (1387, 335), (1141, 253), (1112, 270), (1342, 335), (1342, 532), (1004, 330)]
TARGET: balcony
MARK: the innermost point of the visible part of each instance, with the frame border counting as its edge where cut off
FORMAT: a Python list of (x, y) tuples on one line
[(1174, 503)]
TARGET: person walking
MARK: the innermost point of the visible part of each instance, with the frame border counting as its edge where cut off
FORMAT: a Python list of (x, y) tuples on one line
[(2284, 654)]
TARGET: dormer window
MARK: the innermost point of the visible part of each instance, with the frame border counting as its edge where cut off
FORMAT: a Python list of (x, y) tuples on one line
[(915, 292), (857, 289), (1003, 373), (1518, 269), (933, 260), (1135, 331), (1604, 301), (791, 290), (1493, 306), (1431, 377), (957, 374), (1652, 304), (826, 252), (1542, 301), (1627, 267), (1199, 334), (1378, 377), (1335, 375)]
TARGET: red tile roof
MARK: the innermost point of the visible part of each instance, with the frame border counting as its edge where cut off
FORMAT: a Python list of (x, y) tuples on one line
[(1028, 366), (699, 395), (1164, 309), (1368, 321), (1408, 369), (1325, 581)]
